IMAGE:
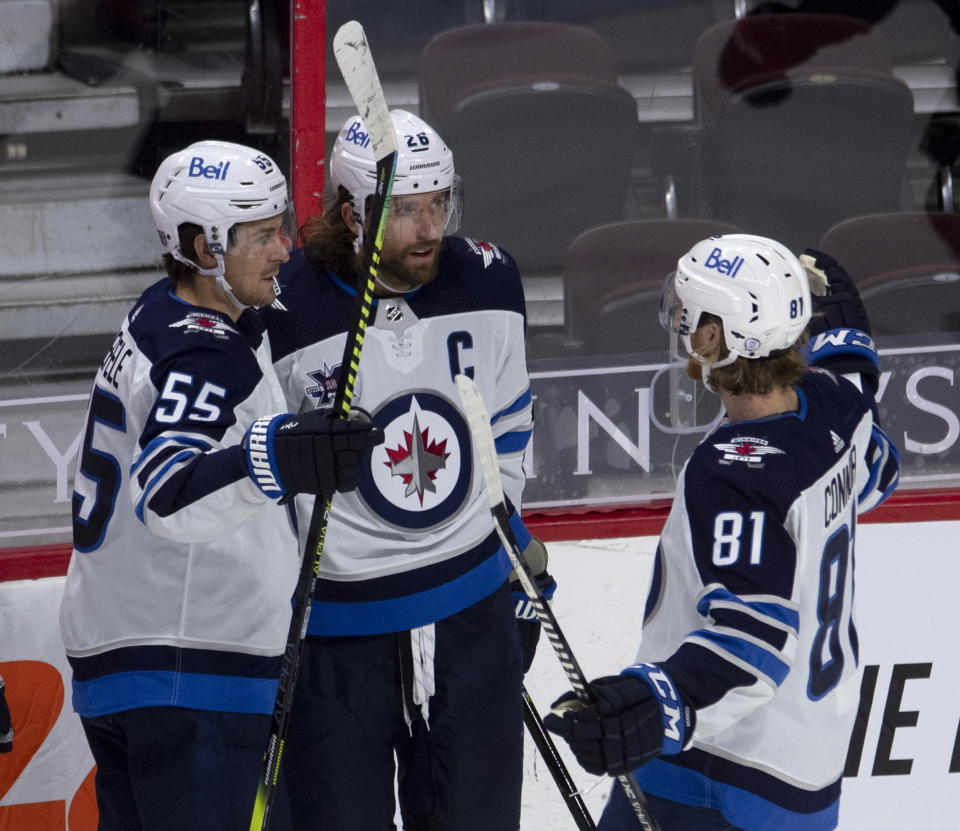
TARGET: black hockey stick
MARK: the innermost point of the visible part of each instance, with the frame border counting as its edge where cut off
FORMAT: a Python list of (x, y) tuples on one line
[(356, 64), (482, 435), (558, 770)]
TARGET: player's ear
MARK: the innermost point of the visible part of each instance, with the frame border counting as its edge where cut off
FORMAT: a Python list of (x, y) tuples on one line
[(205, 258), (707, 338)]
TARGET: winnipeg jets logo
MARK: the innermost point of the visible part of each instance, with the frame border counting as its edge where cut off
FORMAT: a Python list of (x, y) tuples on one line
[(204, 322), (326, 379), (488, 252), (418, 461), (421, 476), (746, 449)]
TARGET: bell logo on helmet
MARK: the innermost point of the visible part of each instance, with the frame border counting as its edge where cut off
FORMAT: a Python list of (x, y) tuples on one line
[(728, 267), (209, 171), (357, 136)]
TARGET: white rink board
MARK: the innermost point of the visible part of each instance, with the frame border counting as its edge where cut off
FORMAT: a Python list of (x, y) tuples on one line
[(906, 579)]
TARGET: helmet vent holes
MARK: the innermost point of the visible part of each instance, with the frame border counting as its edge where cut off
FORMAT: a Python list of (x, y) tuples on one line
[(763, 259)]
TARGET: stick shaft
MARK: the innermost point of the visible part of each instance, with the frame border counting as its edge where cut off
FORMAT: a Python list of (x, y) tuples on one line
[(355, 61), (482, 435)]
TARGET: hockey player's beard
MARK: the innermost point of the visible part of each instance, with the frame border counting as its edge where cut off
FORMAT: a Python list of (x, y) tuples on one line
[(400, 272)]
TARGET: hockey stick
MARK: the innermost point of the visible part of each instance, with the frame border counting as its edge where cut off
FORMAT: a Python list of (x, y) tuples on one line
[(356, 64), (558, 770), (482, 435)]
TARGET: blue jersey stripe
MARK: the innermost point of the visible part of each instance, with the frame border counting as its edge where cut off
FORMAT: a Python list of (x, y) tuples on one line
[(186, 454), (741, 807), (772, 610), (153, 444), (158, 688), (399, 613), (524, 400), (513, 442), (769, 664)]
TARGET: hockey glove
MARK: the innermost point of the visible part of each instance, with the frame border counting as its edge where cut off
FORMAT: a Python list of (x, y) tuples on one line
[(528, 624), (310, 453), (839, 329), (836, 300), (6, 729), (638, 715)]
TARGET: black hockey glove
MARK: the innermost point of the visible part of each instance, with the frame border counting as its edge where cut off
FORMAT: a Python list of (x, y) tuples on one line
[(836, 301), (6, 728), (310, 453), (638, 716), (839, 328), (528, 624)]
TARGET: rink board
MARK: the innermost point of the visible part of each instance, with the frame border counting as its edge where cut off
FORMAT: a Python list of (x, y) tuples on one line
[(903, 768)]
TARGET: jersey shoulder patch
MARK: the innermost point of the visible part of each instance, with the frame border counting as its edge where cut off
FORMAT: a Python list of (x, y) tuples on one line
[(472, 276)]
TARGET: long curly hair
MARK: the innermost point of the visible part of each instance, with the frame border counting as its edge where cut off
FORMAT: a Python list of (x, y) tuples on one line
[(327, 240)]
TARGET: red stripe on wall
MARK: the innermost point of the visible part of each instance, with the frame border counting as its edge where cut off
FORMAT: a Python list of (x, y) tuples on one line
[(34, 562)]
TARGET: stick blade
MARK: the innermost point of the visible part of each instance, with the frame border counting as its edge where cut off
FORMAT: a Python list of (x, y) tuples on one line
[(356, 64), (479, 423)]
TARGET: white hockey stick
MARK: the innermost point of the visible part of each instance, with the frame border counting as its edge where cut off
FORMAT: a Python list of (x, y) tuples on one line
[(360, 73), (482, 435)]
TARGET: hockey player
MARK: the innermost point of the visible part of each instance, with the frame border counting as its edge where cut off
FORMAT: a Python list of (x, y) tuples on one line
[(413, 646), (738, 711), (177, 599)]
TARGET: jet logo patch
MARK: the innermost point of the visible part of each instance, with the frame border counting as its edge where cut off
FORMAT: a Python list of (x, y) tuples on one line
[(746, 449), (204, 322)]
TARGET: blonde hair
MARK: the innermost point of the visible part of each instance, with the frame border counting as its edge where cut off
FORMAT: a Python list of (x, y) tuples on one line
[(757, 376)]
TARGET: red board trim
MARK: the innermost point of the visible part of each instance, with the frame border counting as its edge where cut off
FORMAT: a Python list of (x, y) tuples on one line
[(34, 562)]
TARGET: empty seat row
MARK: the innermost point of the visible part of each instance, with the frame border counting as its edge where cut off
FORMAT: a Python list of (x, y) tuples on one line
[(906, 266)]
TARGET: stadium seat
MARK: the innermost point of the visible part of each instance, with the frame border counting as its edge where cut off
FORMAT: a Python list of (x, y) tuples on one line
[(613, 276), (907, 267), (782, 101), (502, 95)]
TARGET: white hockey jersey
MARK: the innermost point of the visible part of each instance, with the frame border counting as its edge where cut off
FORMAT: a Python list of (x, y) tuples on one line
[(751, 607), (178, 591), (414, 543)]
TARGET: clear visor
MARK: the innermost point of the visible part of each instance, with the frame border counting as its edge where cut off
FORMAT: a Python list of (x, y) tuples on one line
[(671, 307), (248, 240), (425, 216)]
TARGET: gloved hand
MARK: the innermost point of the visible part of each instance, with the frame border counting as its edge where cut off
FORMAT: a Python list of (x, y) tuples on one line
[(528, 624), (636, 716), (836, 300), (839, 328), (6, 729), (309, 453)]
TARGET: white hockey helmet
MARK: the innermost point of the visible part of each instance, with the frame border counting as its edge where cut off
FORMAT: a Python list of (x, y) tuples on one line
[(216, 185), (424, 164), (755, 285)]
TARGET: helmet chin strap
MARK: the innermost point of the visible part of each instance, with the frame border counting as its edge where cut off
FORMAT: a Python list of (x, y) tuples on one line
[(707, 366), (222, 282), (218, 274)]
